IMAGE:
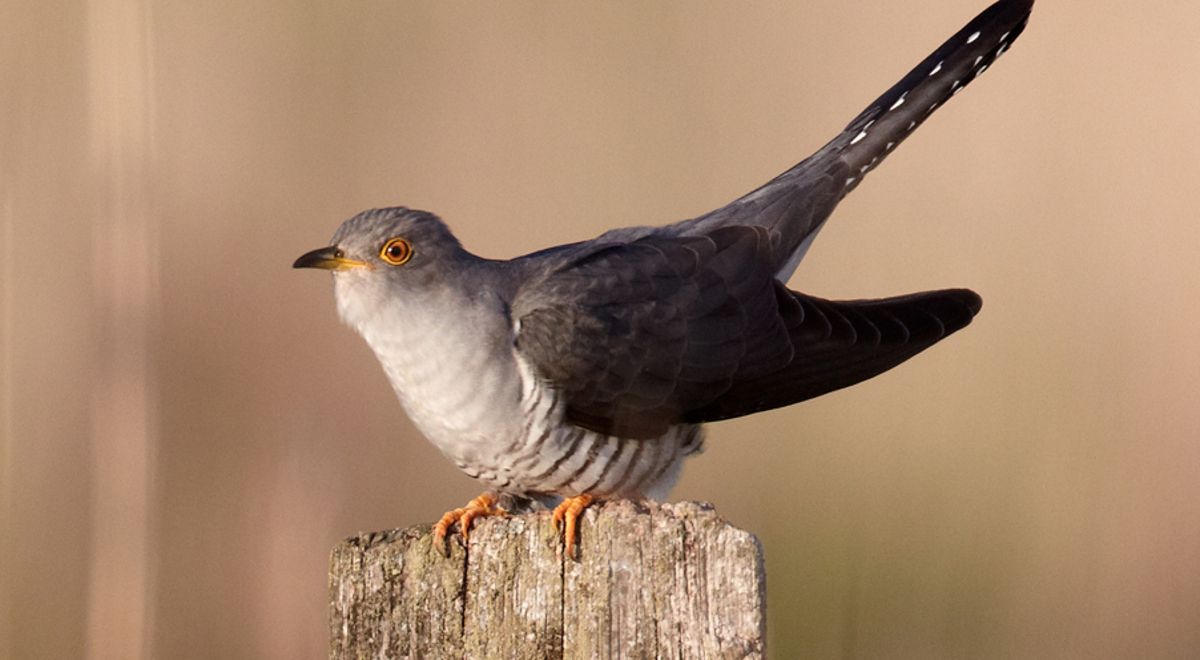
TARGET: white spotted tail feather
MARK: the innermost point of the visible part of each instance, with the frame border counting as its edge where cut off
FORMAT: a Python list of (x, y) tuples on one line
[(901, 109), (795, 205)]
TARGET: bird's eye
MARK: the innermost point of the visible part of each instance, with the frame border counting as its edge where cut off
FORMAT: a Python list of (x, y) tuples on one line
[(396, 251)]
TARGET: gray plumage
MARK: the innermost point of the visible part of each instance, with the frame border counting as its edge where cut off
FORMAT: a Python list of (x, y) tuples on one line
[(588, 368)]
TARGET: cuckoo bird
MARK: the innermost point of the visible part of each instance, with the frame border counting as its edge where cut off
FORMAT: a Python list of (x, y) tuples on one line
[(585, 371)]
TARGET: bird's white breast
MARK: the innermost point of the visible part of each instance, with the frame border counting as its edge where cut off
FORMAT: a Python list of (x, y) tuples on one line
[(462, 383), (451, 372)]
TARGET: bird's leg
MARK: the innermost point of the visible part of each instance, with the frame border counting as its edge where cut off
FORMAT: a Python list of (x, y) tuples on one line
[(568, 512), (484, 505)]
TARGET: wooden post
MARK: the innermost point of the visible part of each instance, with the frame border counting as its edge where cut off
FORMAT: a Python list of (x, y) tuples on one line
[(652, 581)]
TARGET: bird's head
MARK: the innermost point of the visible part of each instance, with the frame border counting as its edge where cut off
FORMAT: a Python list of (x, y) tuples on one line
[(383, 257)]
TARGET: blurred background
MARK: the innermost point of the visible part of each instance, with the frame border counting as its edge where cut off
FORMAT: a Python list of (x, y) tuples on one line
[(188, 429)]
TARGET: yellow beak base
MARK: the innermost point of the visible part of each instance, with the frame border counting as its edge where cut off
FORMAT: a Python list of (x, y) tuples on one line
[(329, 258)]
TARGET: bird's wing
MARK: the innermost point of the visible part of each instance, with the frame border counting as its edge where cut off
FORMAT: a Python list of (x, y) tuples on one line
[(634, 335), (664, 330), (840, 343)]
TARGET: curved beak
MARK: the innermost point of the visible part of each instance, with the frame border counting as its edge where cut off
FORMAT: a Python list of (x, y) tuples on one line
[(329, 258)]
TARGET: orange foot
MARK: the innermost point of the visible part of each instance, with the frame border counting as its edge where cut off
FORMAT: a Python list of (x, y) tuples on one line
[(484, 505), (569, 511)]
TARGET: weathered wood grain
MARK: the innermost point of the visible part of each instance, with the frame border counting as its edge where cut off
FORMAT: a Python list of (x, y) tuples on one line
[(652, 581)]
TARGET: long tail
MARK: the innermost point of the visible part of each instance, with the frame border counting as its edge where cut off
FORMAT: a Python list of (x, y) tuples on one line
[(876, 131), (796, 203)]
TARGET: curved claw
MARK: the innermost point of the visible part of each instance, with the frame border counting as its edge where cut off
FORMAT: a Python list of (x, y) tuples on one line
[(484, 505), (566, 514)]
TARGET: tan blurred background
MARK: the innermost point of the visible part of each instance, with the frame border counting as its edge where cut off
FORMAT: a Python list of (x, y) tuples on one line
[(188, 430)]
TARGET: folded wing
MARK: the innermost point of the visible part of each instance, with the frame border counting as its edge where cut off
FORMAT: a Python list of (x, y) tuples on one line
[(669, 329)]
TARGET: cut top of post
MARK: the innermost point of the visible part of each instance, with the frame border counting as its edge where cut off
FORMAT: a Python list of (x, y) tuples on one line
[(652, 580)]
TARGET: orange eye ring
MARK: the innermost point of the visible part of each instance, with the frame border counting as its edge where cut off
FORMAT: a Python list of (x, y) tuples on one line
[(396, 251)]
